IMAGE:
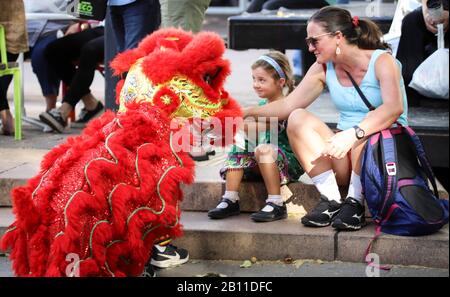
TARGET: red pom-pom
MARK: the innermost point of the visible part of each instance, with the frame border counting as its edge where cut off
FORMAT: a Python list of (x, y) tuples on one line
[(166, 99)]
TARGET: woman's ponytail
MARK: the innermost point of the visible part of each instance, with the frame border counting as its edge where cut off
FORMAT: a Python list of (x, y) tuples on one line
[(363, 33)]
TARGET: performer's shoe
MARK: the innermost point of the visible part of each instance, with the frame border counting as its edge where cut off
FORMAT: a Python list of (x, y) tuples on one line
[(149, 271), (168, 256)]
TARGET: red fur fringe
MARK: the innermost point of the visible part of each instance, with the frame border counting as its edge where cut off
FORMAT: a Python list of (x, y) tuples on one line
[(118, 204), (102, 199)]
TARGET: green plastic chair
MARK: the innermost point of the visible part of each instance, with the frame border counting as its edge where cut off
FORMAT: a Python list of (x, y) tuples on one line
[(12, 68)]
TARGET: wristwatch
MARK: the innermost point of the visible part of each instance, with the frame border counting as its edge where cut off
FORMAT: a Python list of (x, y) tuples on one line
[(359, 132)]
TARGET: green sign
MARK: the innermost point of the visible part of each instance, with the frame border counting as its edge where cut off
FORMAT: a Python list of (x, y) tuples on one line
[(85, 8)]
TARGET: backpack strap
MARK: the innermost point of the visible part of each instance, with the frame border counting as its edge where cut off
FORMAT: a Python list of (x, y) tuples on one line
[(415, 139), (377, 234), (423, 158), (389, 159)]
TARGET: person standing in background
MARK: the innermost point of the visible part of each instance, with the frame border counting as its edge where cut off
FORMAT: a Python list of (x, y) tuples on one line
[(127, 23), (132, 20), (185, 14), (12, 18)]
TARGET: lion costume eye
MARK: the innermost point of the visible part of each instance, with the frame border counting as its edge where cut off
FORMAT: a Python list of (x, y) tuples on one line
[(210, 76), (207, 79)]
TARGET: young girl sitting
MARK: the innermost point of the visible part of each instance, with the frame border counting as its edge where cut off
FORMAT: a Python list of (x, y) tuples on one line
[(274, 161)]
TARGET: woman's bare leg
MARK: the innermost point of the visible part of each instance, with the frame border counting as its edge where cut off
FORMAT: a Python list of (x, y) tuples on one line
[(307, 136), (351, 215), (50, 101), (89, 101)]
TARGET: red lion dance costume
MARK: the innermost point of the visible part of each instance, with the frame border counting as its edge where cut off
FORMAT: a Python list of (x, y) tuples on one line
[(107, 195)]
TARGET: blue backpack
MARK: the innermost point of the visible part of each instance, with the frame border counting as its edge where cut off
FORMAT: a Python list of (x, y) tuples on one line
[(394, 177)]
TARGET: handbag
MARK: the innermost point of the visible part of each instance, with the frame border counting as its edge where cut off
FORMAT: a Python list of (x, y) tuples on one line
[(87, 9)]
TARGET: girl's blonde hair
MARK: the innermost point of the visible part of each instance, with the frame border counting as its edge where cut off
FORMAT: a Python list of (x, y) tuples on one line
[(284, 64)]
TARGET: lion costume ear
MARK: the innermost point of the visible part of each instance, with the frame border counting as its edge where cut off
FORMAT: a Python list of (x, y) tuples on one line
[(203, 59), (123, 61), (172, 38), (206, 46)]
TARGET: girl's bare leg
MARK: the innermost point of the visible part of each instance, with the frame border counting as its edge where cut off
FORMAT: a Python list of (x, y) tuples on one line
[(266, 157)]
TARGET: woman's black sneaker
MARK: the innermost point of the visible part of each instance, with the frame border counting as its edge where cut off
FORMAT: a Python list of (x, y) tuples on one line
[(351, 217), (322, 214), (54, 119), (277, 213), (224, 209), (87, 115)]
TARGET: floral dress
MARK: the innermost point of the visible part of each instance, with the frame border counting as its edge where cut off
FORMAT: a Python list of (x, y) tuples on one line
[(243, 156)]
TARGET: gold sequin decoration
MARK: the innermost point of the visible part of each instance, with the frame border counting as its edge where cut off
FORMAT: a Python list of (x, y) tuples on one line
[(193, 101)]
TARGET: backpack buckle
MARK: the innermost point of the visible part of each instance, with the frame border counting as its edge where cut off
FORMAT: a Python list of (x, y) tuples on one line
[(391, 168)]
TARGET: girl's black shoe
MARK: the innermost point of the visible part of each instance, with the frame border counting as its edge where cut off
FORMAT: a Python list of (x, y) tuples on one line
[(231, 209), (277, 213)]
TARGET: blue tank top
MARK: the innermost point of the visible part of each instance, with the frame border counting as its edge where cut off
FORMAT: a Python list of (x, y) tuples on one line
[(352, 109)]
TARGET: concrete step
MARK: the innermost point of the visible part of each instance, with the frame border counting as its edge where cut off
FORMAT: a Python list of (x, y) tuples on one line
[(429, 251), (203, 195), (6, 219), (300, 196), (239, 238)]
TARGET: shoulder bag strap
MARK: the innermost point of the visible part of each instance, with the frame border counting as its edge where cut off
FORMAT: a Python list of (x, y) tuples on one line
[(361, 94)]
